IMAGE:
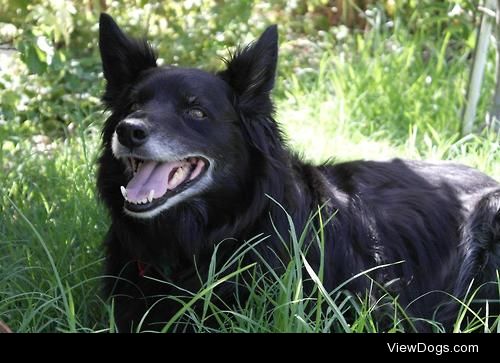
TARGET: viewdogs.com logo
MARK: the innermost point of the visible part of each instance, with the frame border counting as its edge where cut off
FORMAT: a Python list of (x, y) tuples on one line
[(436, 349)]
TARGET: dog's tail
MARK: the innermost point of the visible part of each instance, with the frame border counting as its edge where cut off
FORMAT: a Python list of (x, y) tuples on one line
[(480, 245)]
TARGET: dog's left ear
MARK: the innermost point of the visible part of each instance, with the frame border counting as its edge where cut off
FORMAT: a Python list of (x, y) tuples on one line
[(251, 72), (123, 58)]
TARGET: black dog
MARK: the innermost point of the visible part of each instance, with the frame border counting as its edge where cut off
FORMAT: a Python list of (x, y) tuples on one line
[(191, 158)]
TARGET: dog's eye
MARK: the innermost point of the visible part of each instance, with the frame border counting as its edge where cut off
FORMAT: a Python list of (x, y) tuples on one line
[(196, 113)]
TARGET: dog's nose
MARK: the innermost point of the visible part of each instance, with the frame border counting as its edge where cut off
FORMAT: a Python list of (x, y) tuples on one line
[(132, 133)]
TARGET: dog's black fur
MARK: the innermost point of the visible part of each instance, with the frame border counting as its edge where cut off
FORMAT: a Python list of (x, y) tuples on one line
[(442, 220)]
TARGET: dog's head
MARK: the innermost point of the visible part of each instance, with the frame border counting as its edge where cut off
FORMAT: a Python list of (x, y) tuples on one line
[(178, 132)]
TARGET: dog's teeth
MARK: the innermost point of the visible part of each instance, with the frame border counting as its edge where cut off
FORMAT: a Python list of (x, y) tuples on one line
[(124, 192), (151, 195), (177, 175)]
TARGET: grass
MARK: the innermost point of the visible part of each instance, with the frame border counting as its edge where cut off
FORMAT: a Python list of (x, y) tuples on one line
[(374, 96)]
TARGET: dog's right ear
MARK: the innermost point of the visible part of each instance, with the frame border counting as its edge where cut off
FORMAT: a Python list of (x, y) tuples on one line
[(251, 72), (123, 58)]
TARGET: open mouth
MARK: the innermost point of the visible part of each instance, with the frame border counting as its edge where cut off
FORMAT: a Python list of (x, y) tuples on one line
[(154, 182)]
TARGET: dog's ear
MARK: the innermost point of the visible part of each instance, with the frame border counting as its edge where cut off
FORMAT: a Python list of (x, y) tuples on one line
[(251, 72), (123, 58)]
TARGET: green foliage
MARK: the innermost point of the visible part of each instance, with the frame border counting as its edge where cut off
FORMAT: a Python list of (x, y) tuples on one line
[(50, 227), (392, 85), (57, 41)]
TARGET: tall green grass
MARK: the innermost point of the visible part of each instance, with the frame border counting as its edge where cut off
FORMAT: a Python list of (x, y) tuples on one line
[(374, 96), (295, 300), (50, 227)]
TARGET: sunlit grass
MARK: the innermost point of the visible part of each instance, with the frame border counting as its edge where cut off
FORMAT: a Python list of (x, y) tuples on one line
[(370, 100)]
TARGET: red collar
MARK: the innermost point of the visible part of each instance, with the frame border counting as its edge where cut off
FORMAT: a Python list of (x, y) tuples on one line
[(141, 268)]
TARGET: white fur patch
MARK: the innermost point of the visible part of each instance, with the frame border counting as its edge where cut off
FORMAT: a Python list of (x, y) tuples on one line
[(160, 150)]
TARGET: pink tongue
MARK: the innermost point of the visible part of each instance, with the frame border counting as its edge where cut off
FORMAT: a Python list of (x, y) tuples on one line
[(151, 175)]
